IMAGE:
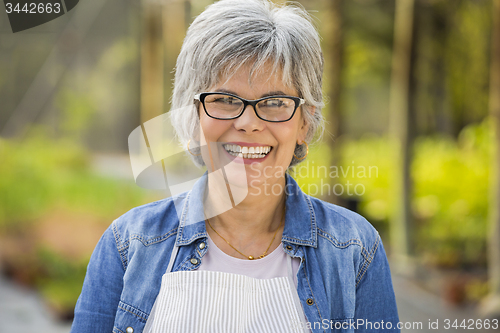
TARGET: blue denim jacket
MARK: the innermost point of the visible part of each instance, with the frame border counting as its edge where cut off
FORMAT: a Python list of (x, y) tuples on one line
[(344, 282)]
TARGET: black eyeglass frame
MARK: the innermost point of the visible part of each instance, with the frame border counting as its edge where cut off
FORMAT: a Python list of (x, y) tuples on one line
[(253, 102)]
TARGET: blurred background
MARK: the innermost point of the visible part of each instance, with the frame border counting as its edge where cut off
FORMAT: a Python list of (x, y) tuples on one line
[(412, 91)]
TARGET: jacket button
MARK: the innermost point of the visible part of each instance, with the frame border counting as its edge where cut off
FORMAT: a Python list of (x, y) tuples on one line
[(310, 301), (201, 246), (289, 247), (129, 330), (194, 261)]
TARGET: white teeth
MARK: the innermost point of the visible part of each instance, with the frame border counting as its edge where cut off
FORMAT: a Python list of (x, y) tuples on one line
[(247, 152), (247, 155)]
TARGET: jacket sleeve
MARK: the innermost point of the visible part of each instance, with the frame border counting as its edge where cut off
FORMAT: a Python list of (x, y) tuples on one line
[(376, 309), (96, 307)]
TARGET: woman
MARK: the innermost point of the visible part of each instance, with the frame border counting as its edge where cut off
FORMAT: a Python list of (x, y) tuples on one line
[(246, 250)]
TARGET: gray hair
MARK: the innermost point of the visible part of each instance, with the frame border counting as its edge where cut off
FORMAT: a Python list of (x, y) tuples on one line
[(232, 33)]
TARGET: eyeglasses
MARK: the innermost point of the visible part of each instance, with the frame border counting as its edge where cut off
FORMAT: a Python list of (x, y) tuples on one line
[(226, 106)]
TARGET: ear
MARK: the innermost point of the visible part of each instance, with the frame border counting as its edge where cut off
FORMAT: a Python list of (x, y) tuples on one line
[(196, 136), (304, 127), (312, 110), (198, 132)]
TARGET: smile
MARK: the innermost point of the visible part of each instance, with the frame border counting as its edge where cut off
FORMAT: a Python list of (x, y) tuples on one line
[(247, 152)]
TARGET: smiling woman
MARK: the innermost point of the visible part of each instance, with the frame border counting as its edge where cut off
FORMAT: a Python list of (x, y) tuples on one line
[(236, 257)]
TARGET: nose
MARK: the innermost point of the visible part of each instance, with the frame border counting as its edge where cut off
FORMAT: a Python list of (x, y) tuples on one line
[(249, 122)]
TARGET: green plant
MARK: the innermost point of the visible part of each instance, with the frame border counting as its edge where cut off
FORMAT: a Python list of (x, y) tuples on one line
[(450, 189), (60, 280), (41, 173)]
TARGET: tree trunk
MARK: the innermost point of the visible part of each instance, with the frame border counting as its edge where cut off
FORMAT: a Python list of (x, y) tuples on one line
[(187, 13), (399, 129), (152, 85), (333, 64), (491, 307)]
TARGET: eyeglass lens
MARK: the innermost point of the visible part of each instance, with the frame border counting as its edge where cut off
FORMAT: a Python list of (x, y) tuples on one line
[(227, 106)]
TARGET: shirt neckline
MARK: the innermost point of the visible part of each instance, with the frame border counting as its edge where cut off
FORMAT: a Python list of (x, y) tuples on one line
[(230, 260)]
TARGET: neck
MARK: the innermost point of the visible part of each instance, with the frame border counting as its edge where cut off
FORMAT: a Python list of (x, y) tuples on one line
[(250, 225)]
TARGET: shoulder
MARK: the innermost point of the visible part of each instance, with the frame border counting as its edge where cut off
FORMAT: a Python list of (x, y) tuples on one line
[(151, 221), (343, 227)]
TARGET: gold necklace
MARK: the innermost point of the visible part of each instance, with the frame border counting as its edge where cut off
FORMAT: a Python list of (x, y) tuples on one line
[(251, 257)]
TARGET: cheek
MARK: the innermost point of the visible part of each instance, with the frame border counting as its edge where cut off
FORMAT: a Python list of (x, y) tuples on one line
[(208, 127), (288, 136), (211, 130)]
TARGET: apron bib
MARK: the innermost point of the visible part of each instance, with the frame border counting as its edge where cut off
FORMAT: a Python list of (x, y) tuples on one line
[(218, 302)]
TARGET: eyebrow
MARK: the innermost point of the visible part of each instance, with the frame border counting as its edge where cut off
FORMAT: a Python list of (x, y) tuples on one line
[(272, 93)]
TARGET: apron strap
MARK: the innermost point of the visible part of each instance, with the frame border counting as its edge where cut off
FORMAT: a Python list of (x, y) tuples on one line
[(295, 295), (149, 323)]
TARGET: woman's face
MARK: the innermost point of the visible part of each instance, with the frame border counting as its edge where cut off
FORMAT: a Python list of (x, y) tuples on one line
[(248, 131)]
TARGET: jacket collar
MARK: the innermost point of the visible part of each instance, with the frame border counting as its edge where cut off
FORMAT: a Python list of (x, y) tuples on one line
[(300, 220)]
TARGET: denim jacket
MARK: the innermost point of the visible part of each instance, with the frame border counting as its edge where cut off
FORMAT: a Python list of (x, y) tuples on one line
[(343, 281)]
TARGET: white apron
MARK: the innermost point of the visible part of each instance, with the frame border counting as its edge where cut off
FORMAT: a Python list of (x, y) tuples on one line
[(217, 302)]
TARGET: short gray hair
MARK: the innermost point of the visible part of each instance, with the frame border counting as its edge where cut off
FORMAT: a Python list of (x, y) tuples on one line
[(232, 33)]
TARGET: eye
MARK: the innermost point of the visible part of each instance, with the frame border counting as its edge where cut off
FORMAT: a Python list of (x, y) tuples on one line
[(273, 103), (229, 100)]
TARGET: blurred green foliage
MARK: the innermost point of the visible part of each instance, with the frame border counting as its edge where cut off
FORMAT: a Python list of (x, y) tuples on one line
[(450, 192), (41, 173), (60, 280), (450, 64), (451, 197)]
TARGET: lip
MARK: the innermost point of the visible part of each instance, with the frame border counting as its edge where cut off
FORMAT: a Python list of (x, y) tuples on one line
[(242, 160), (248, 144)]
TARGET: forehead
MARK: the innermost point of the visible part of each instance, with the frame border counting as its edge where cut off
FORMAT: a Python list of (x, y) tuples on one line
[(261, 79)]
